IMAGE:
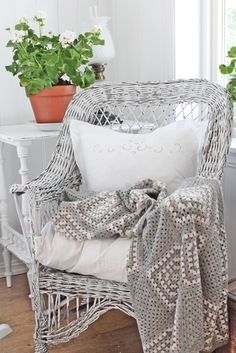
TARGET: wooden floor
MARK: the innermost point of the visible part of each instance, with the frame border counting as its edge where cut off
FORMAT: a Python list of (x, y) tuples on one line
[(114, 332)]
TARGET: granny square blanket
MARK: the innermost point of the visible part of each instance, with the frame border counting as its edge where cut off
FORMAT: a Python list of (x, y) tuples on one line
[(177, 267)]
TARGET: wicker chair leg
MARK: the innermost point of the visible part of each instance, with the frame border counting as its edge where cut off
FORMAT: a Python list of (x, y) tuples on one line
[(41, 347)]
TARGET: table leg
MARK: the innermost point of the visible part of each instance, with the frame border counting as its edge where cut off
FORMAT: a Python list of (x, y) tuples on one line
[(4, 220), (23, 153)]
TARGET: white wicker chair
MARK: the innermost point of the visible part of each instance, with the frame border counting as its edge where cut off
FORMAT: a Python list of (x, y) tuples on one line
[(66, 304)]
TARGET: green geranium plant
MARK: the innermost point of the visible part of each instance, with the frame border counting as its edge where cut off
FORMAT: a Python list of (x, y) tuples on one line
[(41, 60), (230, 69)]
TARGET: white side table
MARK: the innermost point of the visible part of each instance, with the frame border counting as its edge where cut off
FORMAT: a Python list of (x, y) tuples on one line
[(22, 137)]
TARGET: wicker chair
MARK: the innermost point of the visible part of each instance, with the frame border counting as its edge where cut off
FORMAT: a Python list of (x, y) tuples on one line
[(66, 304)]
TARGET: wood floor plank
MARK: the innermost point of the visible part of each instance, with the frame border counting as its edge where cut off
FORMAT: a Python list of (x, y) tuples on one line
[(114, 332)]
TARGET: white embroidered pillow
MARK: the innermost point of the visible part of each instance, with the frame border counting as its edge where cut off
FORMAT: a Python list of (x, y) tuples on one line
[(111, 160)]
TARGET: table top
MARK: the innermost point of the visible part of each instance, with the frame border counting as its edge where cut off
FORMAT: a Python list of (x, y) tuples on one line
[(26, 132)]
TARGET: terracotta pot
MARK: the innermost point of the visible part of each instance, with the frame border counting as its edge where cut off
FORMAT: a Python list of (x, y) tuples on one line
[(49, 105)]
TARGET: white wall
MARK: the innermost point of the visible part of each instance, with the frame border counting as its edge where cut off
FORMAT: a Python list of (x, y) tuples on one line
[(187, 39), (143, 37)]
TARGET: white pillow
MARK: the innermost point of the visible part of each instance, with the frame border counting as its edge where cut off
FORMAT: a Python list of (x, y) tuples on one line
[(102, 258), (111, 160)]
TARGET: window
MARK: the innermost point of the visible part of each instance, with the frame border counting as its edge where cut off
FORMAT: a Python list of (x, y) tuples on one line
[(204, 31), (229, 33), (230, 23)]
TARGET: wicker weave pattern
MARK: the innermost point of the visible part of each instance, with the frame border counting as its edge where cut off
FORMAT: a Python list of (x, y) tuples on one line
[(73, 301), (41, 347)]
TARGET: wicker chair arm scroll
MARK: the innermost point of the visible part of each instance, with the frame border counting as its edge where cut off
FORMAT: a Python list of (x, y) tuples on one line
[(47, 187), (44, 194), (18, 189)]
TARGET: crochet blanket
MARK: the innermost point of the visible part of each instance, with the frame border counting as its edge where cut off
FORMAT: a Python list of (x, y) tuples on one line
[(177, 267)]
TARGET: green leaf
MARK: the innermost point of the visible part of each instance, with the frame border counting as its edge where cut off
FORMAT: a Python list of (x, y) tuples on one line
[(10, 44), (232, 52), (84, 80), (22, 26), (36, 85), (12, 68), (89, 77), (98, 41), (76, 79), (226, 70), (231, 87)]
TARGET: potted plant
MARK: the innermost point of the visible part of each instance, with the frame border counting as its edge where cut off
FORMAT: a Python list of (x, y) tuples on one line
[(50, 66), (230, 70)]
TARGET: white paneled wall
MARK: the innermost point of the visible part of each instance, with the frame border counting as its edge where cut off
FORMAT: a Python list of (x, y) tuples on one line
[(143, 37)]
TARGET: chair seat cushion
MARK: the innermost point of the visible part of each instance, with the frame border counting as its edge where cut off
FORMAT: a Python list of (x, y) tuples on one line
[(102, 258)]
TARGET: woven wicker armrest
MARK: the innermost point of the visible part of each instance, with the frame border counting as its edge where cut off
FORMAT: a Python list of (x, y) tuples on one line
[(44, 194), (18, 189), (47, 187)]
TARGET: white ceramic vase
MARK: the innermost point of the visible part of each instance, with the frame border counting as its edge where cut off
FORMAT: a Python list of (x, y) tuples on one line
[(102, 54)]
